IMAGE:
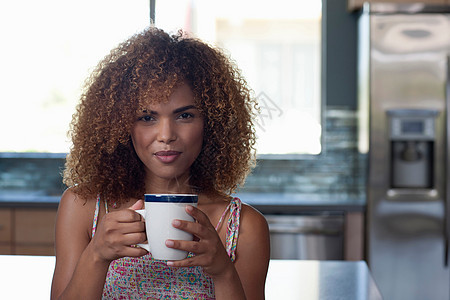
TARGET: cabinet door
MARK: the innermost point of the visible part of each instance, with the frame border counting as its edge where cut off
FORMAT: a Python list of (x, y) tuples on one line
[(5, 231), (34, 231), (357, 4), (354, 236)]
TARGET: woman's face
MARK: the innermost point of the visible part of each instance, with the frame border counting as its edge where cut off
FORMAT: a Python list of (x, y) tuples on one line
[(167, 138)]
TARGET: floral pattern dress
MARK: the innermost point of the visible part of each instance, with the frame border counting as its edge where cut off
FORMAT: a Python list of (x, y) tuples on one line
[(148, 278)]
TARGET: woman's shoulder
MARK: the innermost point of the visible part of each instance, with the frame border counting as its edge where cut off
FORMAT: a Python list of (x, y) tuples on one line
[(75, 201), (252, 217), (254, 239), (75, 208)]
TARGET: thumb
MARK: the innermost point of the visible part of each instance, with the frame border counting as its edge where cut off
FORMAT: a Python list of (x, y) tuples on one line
[(138, 205)]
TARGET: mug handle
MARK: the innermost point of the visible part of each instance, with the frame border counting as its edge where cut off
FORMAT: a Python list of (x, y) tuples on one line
[(142, 213)]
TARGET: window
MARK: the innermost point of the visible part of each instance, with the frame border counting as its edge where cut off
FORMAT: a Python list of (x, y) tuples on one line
[(277, 45), (48, 49)]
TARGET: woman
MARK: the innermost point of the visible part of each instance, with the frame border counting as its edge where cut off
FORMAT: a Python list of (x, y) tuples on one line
[(160, 114)]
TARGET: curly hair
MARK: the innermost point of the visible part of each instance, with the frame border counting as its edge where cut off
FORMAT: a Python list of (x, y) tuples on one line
[(149, 65)]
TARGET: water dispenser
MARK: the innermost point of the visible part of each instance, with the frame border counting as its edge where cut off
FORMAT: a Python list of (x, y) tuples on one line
[(412, 140)]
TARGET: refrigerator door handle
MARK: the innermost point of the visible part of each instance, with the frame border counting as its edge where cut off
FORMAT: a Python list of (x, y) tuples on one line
[(447, 167)]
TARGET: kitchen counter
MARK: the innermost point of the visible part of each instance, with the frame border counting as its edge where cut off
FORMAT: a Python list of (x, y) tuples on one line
[(271, 203), (31, 199), (289, 203), (286, 279)]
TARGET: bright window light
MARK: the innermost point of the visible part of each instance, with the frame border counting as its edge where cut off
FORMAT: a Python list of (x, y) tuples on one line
[(277, 45), (48, 49), (50, 46)]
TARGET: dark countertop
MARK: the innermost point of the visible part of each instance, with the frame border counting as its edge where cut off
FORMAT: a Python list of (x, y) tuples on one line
[(30, 199), (266, 203), (288, 203)]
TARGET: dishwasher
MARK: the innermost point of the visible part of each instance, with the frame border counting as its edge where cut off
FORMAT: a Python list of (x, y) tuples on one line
[(307, 237)]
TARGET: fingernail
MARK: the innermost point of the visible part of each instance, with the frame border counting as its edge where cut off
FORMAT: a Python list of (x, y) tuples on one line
[(189, 208), (176, 223), (169, 243), (170, 263)]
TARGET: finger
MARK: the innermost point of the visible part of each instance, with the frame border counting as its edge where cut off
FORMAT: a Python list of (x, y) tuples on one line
[(133, 251), (127, 216), (198, 215), (201, 218), (134, 238), (131, 227), (196, 229), (190, 246), (138, 205), (187, 262)]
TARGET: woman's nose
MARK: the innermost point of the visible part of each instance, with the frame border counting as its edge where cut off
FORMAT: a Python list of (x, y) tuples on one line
[(166, 131)]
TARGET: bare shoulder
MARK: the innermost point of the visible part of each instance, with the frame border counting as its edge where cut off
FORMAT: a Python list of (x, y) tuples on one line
[(252, 220), (69, 197), (72, 230), (253, 233), (72, 201), (72, 235), (253, 252), (75, 210)]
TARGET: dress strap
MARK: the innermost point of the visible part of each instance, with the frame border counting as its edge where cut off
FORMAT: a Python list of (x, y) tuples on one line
[(96, 213), (223, 216), (232, 226)]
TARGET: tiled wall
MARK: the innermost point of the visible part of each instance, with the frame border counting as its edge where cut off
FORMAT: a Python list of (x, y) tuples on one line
[(38, 174), (339, 169)]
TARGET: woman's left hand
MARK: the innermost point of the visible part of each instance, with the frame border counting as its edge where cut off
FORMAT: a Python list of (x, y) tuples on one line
[(207, 246)]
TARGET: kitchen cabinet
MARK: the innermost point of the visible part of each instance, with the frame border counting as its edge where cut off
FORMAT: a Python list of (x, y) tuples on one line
[(27, 231), (354, 236), (5, 231), (357, 4)]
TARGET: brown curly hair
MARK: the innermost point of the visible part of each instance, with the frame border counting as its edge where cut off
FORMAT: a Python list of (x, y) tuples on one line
[(149, 65)]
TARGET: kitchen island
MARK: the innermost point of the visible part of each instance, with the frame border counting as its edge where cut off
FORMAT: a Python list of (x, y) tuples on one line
[(29, 277)]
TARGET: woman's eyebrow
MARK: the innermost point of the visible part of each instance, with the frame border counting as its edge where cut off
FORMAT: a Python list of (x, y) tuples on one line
[(175, 111), (178, 110), (148, 111)]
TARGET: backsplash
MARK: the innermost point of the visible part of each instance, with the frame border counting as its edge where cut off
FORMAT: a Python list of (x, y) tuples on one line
[(339, 169), (37, 173)]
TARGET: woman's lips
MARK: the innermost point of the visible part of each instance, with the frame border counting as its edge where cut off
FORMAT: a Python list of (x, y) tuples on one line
[(167, 156)]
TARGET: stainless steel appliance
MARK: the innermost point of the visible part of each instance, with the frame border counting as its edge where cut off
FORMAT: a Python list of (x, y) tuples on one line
[(309, 237), (404, 97)]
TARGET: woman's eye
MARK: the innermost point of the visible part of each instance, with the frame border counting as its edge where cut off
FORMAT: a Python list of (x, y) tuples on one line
[(186, 116), (146, 118)]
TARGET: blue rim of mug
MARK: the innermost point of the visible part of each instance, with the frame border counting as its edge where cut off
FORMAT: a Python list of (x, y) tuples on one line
[(171, 198)]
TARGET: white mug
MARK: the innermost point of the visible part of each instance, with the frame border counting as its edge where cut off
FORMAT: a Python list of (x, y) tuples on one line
[(160, 210)]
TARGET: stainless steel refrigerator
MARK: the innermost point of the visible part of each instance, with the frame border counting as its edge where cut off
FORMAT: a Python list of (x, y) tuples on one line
[(403, 94)]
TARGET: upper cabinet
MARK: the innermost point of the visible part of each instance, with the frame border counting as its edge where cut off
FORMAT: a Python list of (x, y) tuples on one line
[(357, 4)]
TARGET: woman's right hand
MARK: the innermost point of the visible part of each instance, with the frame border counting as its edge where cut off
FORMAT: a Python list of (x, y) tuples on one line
[(118, 232)]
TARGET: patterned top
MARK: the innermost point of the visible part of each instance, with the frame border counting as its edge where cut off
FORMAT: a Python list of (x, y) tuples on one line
[(148, 278)]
